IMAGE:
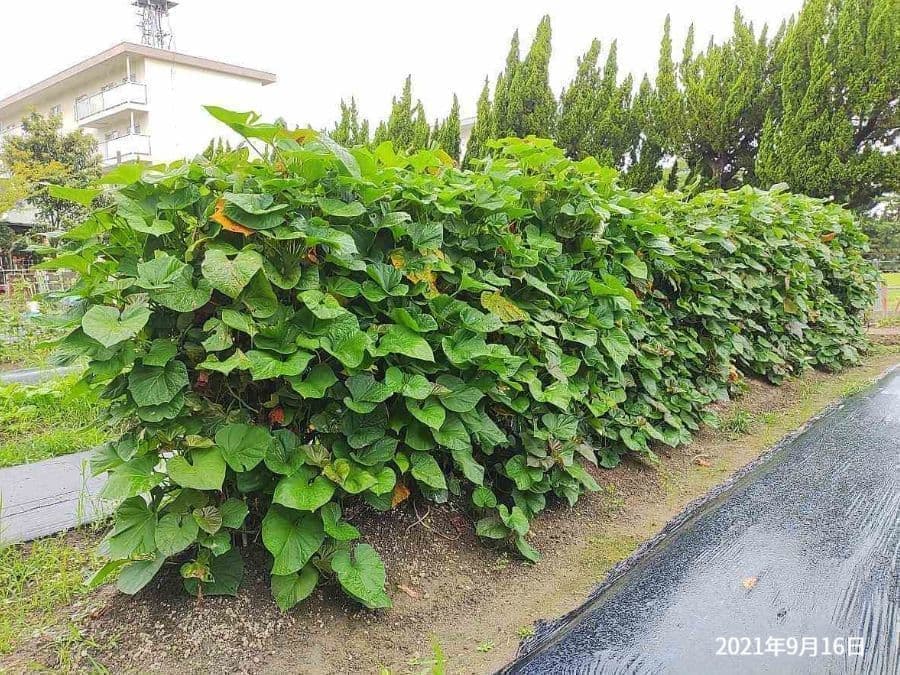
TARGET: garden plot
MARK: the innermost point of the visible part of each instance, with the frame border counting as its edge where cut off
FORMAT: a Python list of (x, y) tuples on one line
[(456, 601), (314, 354)]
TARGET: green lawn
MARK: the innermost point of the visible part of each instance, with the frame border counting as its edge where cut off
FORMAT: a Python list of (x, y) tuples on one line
[(46, 420), (892, 279), (24, 340), (37, 581)]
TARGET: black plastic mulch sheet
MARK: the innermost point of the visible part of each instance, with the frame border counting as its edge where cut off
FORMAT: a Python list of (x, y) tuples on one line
[(791, 567)]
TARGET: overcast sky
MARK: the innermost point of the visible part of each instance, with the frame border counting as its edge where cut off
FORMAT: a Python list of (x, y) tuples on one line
[(325, 50)]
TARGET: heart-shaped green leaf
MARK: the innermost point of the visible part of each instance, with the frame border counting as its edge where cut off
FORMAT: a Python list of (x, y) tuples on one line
[(234, 511), (108, 327), (138, 574), (226, 572), (290, 589), (334, 526), (175, 532), (202, 469), (157, 385), (292, 537), (362, 576), (429, 411), (335, 207), (243, 446), (425, 468), (209, 518), (230, 276), (401, 340), (304, 490)]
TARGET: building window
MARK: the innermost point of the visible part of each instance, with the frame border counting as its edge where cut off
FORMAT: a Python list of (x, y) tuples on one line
[(56, 110)]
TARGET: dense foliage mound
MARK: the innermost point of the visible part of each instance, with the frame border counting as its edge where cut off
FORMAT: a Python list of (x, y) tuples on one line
[(289, 335)]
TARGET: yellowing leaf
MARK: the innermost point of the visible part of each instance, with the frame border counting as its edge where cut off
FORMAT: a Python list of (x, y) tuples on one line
[(304, 135), (398, 259), (503, 308), (444, 157), (427, 276), (226, 222), (401, 493)]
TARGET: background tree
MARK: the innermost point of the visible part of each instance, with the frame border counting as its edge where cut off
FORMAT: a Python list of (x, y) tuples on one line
[(399, 125), (643, 171), (578, 105), (655, 120), (502, 120), (657, 117), (532, 105), (483, 128), (447, 133), (613, 132), (44, 156), (421, 131), (595, 111), (668, 102), (726, 93), (834, 132), (407, 126), (815, 106), (883, 230), (349, 130), (381, 133), (13, 190), (217, 147)]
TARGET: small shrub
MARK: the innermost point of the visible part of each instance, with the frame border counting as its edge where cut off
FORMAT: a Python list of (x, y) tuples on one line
[(738, 422), (288, 335)]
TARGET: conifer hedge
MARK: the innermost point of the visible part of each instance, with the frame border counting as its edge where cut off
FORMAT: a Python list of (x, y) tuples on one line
[(283, 336)]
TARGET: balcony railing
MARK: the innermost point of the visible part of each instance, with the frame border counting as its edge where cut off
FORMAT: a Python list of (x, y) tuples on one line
[(127, 92), (12, 130), (128, 148)]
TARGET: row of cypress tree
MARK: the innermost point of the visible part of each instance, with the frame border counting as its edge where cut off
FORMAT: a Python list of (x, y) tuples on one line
[(406, 126), (815, 105)]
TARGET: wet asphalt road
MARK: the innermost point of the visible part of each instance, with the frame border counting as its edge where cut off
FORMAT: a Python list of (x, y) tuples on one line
[(793, 568)]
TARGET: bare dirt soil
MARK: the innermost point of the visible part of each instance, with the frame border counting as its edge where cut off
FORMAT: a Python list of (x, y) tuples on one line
[(449, 588), (885, 335)]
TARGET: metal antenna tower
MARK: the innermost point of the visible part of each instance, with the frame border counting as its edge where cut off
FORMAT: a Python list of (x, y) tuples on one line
[(153, 17)]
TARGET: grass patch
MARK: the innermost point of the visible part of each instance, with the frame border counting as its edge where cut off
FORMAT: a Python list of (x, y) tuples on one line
[(738, 422), (892, 280), (47, 420), (525, 632), (24, 339), (37, 580), (605, 551)]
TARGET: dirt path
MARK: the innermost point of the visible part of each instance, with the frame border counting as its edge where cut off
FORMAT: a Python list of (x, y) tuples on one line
[(449, 589)]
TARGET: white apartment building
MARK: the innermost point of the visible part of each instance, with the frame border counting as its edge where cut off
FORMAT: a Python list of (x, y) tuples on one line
[(140, 102)]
